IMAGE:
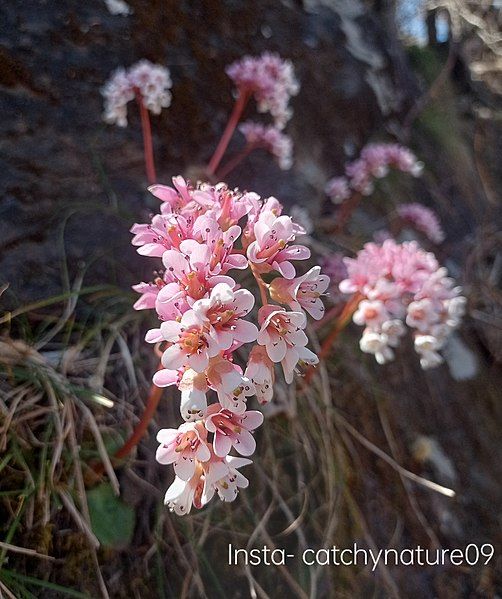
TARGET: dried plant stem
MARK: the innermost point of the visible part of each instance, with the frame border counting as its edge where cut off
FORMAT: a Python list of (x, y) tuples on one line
[(239, 106), (147, 140), (381, 454)]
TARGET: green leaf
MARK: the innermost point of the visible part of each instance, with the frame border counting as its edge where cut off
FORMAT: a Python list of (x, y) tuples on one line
[(112, 520)]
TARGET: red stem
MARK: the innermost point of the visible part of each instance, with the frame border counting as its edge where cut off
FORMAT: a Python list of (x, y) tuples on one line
[(262, 286), (346, 211), (340, 323), (147, 140), (231, 164), (239, 106), (151, 406)]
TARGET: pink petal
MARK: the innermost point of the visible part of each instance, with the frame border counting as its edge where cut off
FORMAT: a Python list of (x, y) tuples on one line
[(199, 362), (184, 467), (154, 336), (245, 331), (246, 443), (286, 269), (165, 378), (164, 193), (174, 358), (252, 419), (276, 350), (222, 444)]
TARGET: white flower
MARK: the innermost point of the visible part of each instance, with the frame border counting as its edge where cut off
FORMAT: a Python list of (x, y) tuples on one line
[(377, 344)]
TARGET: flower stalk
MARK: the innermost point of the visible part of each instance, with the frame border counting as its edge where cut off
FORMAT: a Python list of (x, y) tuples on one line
[(147, 140), (240, 104)]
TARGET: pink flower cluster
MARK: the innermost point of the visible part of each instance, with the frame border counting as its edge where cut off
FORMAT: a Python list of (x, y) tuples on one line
[(270, 79), (374, 163), (148, 81), (423, 219), (204, 318), (338, 189), (271, 139), (403, 283)]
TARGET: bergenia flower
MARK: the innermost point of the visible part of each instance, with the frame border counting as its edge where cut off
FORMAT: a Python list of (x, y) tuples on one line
[(182, 447), (302, 292), (423, 219), (153, 83), (224, 310), (270, 139), (271, 80), (193, 387), (260, 371), (374, 162), (271, 249), (338, 189), (182, 494), (402, 282), (147, 81), (232, 430), (205, 317), (191, 344), (284, 339), (232, 387), (225, 479)]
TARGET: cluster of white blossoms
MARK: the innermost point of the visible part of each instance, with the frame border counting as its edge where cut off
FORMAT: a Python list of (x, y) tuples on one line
[(149, 83)]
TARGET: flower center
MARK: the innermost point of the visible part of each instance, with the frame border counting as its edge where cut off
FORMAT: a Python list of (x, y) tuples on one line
[(270, 250), (192, 342)]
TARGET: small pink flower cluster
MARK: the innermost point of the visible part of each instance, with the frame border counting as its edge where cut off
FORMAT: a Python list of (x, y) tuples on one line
[(204, 320), (270, 79), (338, 189), (374, 163), (402, 282), (271, 139), (150, 82), (423, 219)]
